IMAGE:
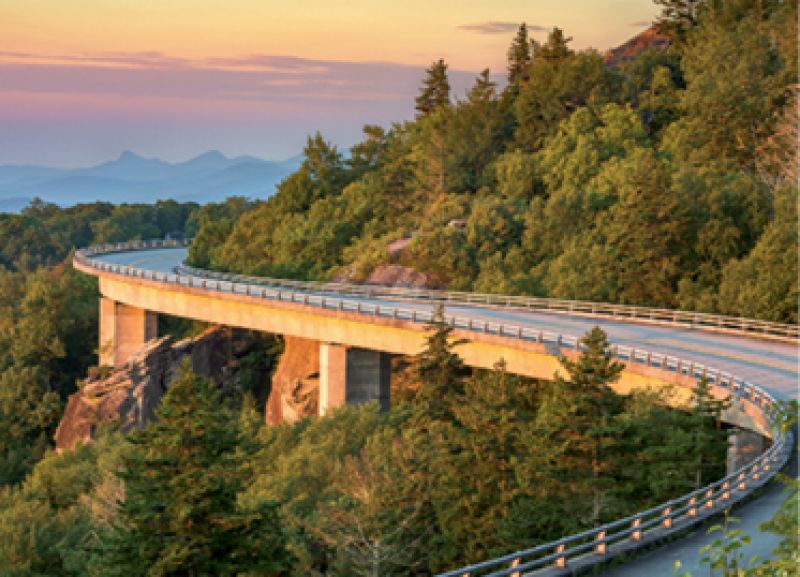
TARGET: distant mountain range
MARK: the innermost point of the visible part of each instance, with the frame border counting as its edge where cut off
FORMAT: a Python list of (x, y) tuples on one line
[(210, 177)]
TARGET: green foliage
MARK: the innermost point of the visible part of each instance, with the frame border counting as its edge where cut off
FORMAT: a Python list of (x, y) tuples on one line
[(763, 284), (724, 552), (440, 372), (735, 76), (48, 312), (661, 183), (45, 317), (180, 514), (647, 232), (435, 92), (580, 415), (519, 56), (301, 466), (210, 225), (560, 83), (46, 524)]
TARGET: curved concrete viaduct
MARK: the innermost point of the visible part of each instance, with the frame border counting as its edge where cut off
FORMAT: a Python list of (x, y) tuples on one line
[(357, 332)]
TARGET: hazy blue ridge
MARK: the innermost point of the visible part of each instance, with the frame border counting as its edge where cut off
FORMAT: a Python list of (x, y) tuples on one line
[(209, 177)]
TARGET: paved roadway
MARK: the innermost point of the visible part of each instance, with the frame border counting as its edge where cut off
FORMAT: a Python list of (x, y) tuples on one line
[(772, 365)]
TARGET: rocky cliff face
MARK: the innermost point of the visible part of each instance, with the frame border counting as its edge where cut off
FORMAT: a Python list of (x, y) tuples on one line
[(295, 384), (130, 394)]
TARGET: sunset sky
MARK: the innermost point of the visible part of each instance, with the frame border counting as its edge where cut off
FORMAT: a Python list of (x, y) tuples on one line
[(82, 80)]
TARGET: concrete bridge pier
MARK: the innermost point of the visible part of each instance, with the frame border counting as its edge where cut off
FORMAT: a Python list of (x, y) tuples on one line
[(351, 375), (123, 330), (744, 446)]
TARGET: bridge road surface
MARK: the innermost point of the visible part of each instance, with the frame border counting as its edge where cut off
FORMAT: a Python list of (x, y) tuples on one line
[(770, 364)]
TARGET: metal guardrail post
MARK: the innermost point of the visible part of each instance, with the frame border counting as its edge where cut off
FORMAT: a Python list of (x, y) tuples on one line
[(637, 533), (666, 514), (600, 548), (561, 561), (692, 509)]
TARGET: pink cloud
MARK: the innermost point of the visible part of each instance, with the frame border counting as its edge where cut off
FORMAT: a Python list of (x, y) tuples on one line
[(72, 106)]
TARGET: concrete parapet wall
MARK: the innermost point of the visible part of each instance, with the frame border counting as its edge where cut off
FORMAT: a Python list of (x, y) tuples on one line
[(383, 334)]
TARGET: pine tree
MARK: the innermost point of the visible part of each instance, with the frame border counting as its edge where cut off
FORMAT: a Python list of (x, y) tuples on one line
[(581, 415), (440, 372), (435, 91), (519, 56), (488, 431), (709, 439), (484, 89), (180, 516), (427, 452), (680, 15), (556, 48)]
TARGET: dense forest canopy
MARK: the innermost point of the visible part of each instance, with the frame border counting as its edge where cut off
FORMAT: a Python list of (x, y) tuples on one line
[(668, 179)]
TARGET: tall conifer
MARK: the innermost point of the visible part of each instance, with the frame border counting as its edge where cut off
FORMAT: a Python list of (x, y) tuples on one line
[(519, 56), (180, 516), (435, 91)]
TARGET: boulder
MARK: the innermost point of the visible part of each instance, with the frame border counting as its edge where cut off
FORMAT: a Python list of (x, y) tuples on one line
[(395, 275)]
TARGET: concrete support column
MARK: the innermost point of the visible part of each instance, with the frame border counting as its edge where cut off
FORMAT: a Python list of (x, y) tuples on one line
[(123, 330), (744, 447), (349, 375)]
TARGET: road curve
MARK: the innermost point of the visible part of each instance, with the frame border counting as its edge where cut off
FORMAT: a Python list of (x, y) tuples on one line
[(770, 364)]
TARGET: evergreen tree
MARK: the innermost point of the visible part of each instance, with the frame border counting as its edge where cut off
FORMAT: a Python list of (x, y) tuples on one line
[(581, 416), (680, 15), (559, 85), (432, 152), (647, 236), (369, 154), (427, 452), (484, 89), (709, 439), (435, 91), (556, 48), (440, 372), (179, 515), (519, 57), (488, 429)]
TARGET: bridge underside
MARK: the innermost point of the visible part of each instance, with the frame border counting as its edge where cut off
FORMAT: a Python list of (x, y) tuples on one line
[(354, 354)]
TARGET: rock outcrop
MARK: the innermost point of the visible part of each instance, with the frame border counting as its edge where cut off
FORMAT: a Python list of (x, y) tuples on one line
[(396, 275), (652, 37), (129, 395), (295, 384)]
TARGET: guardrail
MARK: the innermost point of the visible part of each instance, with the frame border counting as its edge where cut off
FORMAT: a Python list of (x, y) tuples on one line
[(731, 324), (737, 325), (590, 547)]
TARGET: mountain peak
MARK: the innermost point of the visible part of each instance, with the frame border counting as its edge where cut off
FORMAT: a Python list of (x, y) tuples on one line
[(211, 155), (127, 155)]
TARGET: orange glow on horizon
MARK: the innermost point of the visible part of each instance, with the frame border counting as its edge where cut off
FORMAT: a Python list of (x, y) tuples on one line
[(409, 32)]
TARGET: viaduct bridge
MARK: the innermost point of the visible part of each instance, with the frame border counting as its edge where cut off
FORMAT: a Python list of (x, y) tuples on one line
[(358, 328)]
